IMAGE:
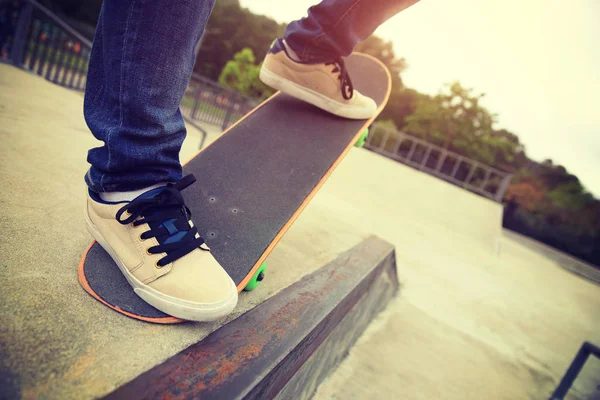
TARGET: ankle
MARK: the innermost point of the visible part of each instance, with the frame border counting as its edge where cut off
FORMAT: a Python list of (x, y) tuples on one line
[(114, 197)]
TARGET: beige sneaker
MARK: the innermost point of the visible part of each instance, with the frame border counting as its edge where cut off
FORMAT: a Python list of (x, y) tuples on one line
[(158, 249), (326, 85)]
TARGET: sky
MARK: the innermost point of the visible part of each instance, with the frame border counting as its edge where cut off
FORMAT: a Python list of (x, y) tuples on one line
[(537, 61)]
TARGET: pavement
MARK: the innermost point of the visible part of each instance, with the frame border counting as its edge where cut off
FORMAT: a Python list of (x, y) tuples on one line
[(479, 314), (471, 325)]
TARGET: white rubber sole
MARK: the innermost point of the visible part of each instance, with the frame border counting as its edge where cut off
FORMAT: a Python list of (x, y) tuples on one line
[(315, 98), (173, 306)]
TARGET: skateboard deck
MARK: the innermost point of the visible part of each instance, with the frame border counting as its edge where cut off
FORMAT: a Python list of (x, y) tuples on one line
[(252, 183)]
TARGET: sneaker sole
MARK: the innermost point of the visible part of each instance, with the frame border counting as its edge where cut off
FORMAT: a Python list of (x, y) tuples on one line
[(315, 98), (169, 305)]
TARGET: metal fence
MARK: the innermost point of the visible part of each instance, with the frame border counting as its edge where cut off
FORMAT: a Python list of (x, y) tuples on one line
[(35, 39), (577, 364), (452, 167), (209, 102), (38, 41)]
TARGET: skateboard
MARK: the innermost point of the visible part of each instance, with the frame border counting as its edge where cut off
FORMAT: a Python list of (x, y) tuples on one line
[(252, 183)]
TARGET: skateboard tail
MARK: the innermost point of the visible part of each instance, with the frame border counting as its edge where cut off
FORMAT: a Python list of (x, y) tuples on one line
[(83, 281)]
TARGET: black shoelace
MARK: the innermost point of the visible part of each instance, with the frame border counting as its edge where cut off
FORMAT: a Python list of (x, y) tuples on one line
[(347, 88), (168, 218)]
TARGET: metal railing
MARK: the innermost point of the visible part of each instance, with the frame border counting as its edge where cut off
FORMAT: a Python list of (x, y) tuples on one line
[(42, 43), (577, 364), (437, 161), (35, 39), (209, 102)]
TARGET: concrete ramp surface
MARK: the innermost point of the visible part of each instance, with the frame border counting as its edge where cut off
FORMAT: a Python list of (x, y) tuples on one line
[(469, 323)]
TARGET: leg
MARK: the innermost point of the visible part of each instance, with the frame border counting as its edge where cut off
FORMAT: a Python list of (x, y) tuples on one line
[(141, 62), (334, 27), (308, 64)]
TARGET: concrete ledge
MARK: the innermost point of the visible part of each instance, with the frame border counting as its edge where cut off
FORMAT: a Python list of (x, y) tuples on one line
[(286, 346)]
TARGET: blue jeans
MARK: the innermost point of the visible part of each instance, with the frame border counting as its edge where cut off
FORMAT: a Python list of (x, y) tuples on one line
[(142, 59), (334, 27)]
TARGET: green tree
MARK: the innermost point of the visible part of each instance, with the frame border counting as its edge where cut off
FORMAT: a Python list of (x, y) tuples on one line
[(571, 196), (553, 175), (454, 119), (241, 74), (508, 151), (230, 29)]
